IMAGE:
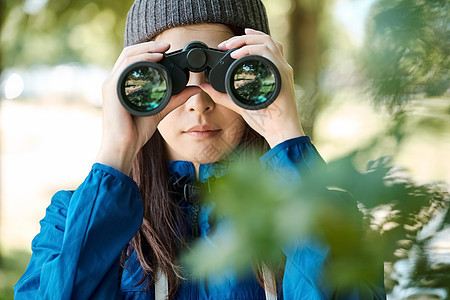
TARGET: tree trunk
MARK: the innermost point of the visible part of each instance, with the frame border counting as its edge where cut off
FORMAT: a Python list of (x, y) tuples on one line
[(304, 53)]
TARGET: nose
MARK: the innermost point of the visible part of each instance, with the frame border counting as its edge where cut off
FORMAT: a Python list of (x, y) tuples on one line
[(197, 78), (201, 102)]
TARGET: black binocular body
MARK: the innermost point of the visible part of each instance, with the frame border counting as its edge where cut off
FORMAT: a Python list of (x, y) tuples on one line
[(252, 82)]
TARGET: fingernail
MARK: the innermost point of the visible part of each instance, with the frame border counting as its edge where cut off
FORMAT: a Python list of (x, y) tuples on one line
[(162, 44), (223, 45)]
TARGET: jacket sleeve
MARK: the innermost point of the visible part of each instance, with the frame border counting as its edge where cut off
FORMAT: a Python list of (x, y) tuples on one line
[(76, 253), (294, 160)]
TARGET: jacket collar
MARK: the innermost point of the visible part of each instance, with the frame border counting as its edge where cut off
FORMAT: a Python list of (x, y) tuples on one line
[(185, 170)]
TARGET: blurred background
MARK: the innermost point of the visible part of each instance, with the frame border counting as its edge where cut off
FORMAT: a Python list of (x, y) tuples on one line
[(372, 80)]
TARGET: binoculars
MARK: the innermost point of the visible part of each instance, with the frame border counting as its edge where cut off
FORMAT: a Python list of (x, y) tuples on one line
[(252, 82)]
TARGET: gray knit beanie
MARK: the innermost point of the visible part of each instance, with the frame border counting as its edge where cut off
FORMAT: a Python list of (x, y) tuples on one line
[(147, 18)]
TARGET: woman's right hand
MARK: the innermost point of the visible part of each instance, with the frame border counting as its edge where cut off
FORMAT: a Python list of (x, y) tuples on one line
[(123, 134)]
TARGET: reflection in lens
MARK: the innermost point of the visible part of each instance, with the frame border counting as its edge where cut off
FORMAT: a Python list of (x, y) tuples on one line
[(253, 82), (145, 88)]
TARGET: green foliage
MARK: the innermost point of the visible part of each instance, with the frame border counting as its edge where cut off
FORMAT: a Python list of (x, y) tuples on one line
[(407, 50), (63, 31), (266, 212), (12, 266)]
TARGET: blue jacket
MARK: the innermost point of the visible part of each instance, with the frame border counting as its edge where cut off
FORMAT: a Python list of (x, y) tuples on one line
[(76, 254)]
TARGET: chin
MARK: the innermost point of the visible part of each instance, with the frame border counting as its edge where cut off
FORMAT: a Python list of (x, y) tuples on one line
[(203, 159), (202, 153), (206, 155)]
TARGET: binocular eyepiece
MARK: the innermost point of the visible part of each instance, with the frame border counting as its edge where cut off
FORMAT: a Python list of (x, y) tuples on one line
[(252, 82)]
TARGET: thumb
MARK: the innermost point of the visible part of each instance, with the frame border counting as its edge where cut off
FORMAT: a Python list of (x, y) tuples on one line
[(180, 99), (219, 98)]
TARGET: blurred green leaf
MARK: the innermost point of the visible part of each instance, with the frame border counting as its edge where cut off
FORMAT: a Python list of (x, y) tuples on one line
[(407, 50), (63, 31), (12, 266), (265, 213)]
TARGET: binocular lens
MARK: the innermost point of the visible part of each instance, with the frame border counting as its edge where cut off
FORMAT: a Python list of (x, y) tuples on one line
[(253, 83), (145, 88)]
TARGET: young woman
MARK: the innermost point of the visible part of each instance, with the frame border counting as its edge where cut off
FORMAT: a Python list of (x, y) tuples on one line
[(120, 233)]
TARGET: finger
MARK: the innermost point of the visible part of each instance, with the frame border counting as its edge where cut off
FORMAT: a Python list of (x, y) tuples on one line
[(260, 49), (153, 57), (253, 31), (125, 62), (279, 46), (149, 47), (238, 41), (220, 98), (248, 31), (246, 40), (180, 99)]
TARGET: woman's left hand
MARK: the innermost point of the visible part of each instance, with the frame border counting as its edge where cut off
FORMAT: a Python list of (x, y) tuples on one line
[(279, 121)]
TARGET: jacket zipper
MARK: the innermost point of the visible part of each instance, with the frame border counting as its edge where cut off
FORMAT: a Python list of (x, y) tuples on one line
[(195, 229)]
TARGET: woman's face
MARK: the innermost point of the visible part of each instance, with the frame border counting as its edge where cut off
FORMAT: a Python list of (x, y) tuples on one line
[(200, 130)]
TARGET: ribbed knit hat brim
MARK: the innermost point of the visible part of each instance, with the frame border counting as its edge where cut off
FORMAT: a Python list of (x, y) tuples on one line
[(148, 18)]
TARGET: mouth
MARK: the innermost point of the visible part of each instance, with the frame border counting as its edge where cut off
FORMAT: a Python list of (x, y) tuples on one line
[(203, 131)]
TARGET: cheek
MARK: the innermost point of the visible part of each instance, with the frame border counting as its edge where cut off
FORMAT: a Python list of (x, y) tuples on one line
[(166, 128), (234, 130)]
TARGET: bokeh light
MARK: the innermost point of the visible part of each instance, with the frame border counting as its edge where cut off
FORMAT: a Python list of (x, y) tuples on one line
[(13, 86)]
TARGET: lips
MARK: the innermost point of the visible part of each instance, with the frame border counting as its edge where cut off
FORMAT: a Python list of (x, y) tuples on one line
[(203, 131)]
